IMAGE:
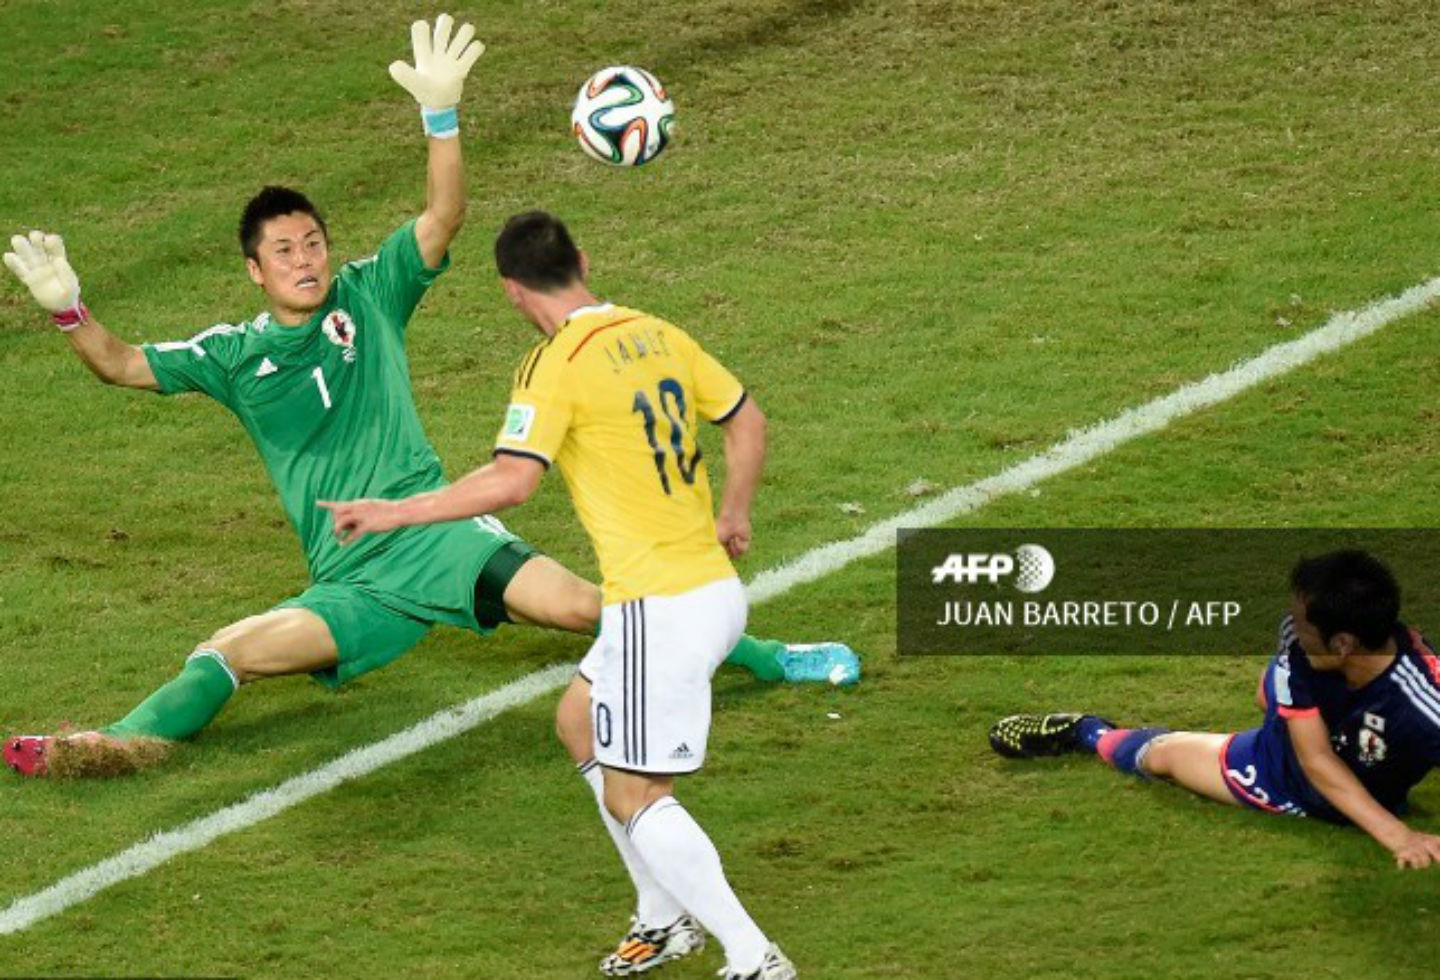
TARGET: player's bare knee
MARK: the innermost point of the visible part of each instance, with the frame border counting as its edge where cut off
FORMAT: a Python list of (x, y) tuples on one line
[(245, 659), (623, 796), (226, 646), (275, 644), (626, 794), (620, 804), (233, 657), (215, 653), (584, 607), (226, 636), (1156, 759), (572, 721), (577, 603), (576, 606)]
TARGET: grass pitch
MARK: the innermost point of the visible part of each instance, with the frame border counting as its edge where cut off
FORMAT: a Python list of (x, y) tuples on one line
[(932, 236)]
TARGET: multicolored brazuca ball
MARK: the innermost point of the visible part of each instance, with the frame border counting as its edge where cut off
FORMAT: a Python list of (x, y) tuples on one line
[(622, 116)]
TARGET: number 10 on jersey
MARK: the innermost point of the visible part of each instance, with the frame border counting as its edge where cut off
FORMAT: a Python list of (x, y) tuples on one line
[(671, 398)]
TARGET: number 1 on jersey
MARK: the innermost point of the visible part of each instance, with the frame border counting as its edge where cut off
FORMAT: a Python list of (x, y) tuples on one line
[(319, 375)]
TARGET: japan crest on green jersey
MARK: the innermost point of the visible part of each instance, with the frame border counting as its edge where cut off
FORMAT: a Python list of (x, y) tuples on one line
[(328, 403)]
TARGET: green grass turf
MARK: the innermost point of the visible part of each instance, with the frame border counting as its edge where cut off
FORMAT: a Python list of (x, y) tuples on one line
[(932, 236)]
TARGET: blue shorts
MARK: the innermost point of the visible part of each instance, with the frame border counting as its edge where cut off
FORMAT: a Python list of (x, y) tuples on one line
[(1254, 771)]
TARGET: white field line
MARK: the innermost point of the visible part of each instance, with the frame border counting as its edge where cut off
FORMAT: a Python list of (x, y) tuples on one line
[(1078, 449), (1084, 445), (155, 851)]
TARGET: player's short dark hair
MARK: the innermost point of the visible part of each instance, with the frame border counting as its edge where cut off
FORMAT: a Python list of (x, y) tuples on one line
[(1348, 592), (536, 250), (273, 202)]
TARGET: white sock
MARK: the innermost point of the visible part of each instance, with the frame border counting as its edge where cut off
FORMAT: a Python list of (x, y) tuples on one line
[(654, 906), (681, 857)]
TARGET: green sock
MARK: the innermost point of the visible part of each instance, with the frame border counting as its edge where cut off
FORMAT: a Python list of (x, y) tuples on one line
[(184, 705), (760, 657)]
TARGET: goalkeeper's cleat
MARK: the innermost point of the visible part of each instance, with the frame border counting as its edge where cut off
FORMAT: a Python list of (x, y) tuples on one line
[(645, 949), (775, 966), (1029, 736), (820, 662), (26, 754), (83, 755)]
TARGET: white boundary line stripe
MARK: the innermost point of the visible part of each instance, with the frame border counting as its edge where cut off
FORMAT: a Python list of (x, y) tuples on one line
[(1079, 448), (155, 851), (1083, 445)]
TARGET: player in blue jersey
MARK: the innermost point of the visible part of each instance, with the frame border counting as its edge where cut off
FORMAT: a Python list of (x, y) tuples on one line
[(321, 384), (1352, 717)]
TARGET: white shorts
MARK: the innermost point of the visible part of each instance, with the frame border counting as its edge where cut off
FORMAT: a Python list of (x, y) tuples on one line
[(649, 672)]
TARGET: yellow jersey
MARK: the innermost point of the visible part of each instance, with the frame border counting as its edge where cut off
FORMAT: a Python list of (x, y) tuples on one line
[(613, 399)]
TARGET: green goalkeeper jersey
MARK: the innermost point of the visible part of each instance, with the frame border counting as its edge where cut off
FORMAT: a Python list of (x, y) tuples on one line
[(327, 403)]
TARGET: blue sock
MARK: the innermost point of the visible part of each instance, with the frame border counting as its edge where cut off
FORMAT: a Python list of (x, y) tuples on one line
[(1089, 729), (1122, 747)]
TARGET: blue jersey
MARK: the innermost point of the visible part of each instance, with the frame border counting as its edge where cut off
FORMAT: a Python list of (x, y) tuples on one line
[(1387, 732)]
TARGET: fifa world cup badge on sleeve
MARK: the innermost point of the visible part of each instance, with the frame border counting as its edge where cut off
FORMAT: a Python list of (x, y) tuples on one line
[(519, 418)]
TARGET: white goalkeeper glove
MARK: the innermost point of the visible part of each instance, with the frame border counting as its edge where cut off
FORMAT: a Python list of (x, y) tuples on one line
[(437, 78), (39, 262)]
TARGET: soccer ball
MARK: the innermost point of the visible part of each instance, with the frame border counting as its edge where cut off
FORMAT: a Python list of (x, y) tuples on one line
[(622, 116)]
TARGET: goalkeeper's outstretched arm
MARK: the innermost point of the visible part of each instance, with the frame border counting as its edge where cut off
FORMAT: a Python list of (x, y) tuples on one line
[(437, 80), (39, 261)]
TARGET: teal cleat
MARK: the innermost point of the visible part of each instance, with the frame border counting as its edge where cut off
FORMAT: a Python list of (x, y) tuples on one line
[(834, 663)]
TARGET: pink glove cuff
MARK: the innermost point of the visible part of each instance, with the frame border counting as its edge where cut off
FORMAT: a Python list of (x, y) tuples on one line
[(68, 320)]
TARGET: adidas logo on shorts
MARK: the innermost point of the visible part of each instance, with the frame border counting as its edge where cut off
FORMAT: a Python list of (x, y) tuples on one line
[(682, 752)]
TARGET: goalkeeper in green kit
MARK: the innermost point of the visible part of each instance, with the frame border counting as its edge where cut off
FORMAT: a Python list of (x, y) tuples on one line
[(321, 384)]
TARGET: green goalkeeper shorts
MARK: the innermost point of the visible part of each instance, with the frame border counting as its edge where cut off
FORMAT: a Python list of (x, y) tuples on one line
[(455, 574)]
